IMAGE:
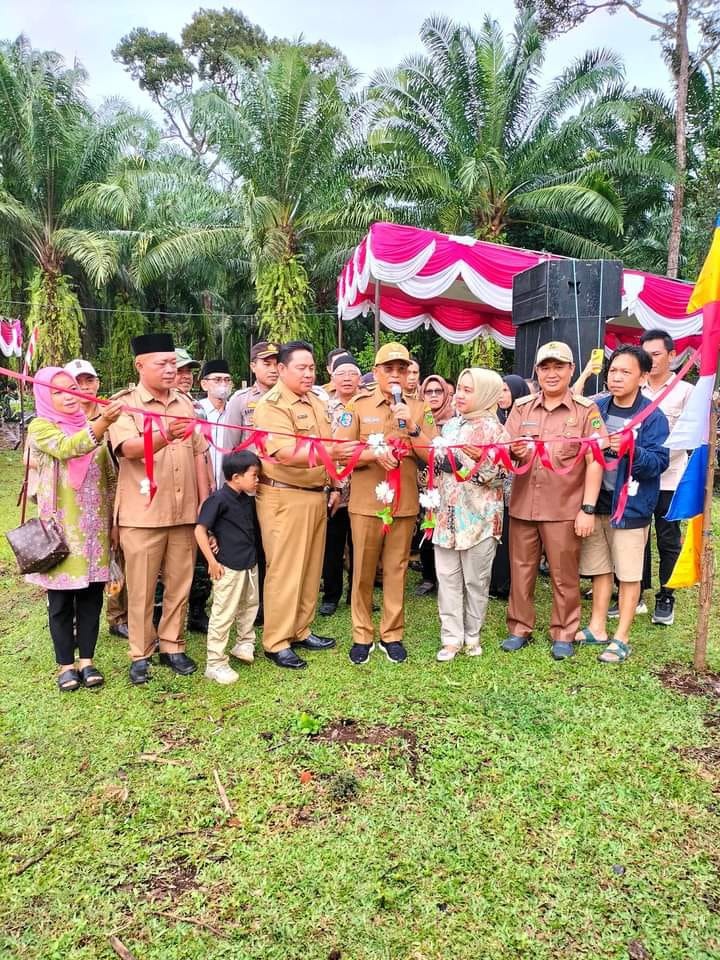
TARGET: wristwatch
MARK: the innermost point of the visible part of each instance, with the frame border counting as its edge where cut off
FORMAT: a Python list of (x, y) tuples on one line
[(588, 508)]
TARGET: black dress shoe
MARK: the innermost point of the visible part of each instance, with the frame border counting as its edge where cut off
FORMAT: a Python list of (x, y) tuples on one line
[(179, 662), (198, 621), (120, 630), (327, 609), (140, 671), (314, 642), (286, 658)]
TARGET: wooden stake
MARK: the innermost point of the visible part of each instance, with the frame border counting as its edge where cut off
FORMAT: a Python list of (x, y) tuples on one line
[(120, 949), (707, 556), (223, 796)]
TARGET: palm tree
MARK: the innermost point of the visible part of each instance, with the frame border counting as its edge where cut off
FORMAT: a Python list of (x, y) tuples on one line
[(51, 145), (286, 142), (466, 138)]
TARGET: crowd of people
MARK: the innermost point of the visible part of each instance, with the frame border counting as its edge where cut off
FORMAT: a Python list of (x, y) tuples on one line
[(257, 521)]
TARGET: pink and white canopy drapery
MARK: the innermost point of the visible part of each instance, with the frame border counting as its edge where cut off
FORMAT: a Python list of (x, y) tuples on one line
[(10, 337), (462, 288)]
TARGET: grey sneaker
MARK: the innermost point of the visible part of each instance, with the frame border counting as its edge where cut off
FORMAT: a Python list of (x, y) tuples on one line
[(614, 610), (664, 611)]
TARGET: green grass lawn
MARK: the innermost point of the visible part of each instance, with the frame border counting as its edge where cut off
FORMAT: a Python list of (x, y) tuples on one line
[(490, 809)]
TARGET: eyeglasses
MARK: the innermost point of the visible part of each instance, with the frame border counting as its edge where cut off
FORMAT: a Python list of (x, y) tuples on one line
[(433, 393), (219, 379)]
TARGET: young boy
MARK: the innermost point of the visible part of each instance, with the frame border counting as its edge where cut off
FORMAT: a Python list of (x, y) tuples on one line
[(229, 514)]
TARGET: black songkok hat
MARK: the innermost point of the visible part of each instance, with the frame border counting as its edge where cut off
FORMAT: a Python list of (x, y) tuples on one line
[(214, 366), (152, 343)]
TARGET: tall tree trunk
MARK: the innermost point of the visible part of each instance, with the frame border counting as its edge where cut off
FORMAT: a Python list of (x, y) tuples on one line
[(682, 57)]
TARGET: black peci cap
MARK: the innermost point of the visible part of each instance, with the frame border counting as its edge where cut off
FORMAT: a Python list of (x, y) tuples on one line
[(152, 343)]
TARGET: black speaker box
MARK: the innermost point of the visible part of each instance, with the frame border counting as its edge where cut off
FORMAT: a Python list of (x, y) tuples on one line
[(568, 300)]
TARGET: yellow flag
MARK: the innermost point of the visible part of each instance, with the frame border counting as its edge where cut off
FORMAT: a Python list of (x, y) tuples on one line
[(707, 287), (686, 572)]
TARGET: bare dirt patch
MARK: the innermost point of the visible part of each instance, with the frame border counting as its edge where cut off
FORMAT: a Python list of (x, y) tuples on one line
[(347, 731), (178, 877), (680, 679)]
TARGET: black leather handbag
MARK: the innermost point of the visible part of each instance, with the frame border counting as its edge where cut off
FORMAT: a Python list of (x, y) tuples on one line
[(38, 545)]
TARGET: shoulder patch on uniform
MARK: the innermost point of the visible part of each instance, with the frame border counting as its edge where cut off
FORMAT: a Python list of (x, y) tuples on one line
[(272, 395), (522, 400), (121, 393), (583, 401), (346, 418), (596, 422), (428, 418)]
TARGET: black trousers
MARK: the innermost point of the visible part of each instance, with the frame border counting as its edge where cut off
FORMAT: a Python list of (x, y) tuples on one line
[(74, 618), (338, 536), (500, 579), (669, 541), (427, 562)]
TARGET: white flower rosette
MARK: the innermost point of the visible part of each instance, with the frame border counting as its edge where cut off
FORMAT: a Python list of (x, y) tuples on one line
[(385, 493)]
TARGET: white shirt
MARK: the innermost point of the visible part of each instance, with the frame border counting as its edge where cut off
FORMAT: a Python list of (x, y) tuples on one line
[(213, 415), (672, 406)]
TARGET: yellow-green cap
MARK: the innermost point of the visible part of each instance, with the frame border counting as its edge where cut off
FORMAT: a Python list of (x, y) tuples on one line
[(389, 352)]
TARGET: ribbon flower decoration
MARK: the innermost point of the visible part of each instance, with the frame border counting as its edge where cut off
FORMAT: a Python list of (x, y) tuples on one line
[(429, 501), (385, 494)]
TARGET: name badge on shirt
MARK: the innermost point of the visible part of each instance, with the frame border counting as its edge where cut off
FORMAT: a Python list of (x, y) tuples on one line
[(371, 419)]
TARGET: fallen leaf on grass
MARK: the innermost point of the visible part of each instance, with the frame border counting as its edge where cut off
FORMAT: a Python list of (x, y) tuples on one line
[(154, 758), (305, 776), (636, 951)]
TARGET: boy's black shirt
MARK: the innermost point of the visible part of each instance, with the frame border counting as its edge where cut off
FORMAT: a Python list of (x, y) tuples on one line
[(231, 518)]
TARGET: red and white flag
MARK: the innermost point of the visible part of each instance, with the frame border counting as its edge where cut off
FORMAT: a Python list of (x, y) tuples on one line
[(30, 352)]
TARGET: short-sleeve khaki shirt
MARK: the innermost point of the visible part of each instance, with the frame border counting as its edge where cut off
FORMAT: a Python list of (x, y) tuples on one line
[(369, 412), (241, 412), (542, 494), (176, 500), (282, 410)]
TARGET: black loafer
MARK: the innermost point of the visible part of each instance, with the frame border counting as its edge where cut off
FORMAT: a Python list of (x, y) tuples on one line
[(286, 658), (179, 662), (120, 630), (314, 642), (425, 588), (140, 671), (327, 609)]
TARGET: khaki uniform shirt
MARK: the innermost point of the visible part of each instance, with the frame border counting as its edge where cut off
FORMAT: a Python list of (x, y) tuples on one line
[(542, 494), (176, 500), (241, 411), (369, 412), (282, 410)]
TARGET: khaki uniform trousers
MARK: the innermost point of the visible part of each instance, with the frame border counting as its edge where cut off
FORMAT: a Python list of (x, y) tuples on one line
[(463, 591), (236, 599), (393, 548), (148, 550), (293, 525), (116, 609), (562, 549)]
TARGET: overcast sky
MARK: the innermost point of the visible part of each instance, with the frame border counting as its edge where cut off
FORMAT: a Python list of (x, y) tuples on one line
[(372, 33)]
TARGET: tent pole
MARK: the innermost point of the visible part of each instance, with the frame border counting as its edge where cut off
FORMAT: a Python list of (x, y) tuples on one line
[(707, 556), (340, 330), (377, 316)]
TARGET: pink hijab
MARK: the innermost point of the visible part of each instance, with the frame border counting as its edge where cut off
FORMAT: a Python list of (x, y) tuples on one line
[(69, 423)]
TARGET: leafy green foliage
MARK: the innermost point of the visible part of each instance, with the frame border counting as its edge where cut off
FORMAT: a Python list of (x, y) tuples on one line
[(55, 309), (283, 294), (117, 357), (306, 724)]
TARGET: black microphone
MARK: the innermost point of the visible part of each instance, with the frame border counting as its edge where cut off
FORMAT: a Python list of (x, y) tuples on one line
[(398, 398)]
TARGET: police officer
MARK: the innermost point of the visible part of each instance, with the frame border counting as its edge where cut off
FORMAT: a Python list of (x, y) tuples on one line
[(389, 411), (158, 535), (241, 406), (292, 503), (550, 511)]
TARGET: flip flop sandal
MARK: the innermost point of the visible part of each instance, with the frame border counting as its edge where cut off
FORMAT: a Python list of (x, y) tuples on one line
[(616, 651), (589, 639), (68, 681), (91, 677)]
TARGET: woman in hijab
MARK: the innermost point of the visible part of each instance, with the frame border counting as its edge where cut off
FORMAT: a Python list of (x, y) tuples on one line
[(438, 395), (514, 387), (469, 517), (76, 484)]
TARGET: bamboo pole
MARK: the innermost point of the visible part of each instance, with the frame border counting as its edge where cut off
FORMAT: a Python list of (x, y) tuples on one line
[(707, 556)]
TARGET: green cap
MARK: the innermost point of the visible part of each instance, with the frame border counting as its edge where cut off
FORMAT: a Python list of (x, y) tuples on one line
[(185, 360)]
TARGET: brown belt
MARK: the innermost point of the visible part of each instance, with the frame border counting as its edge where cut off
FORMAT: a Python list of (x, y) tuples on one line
[(292, 486)]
